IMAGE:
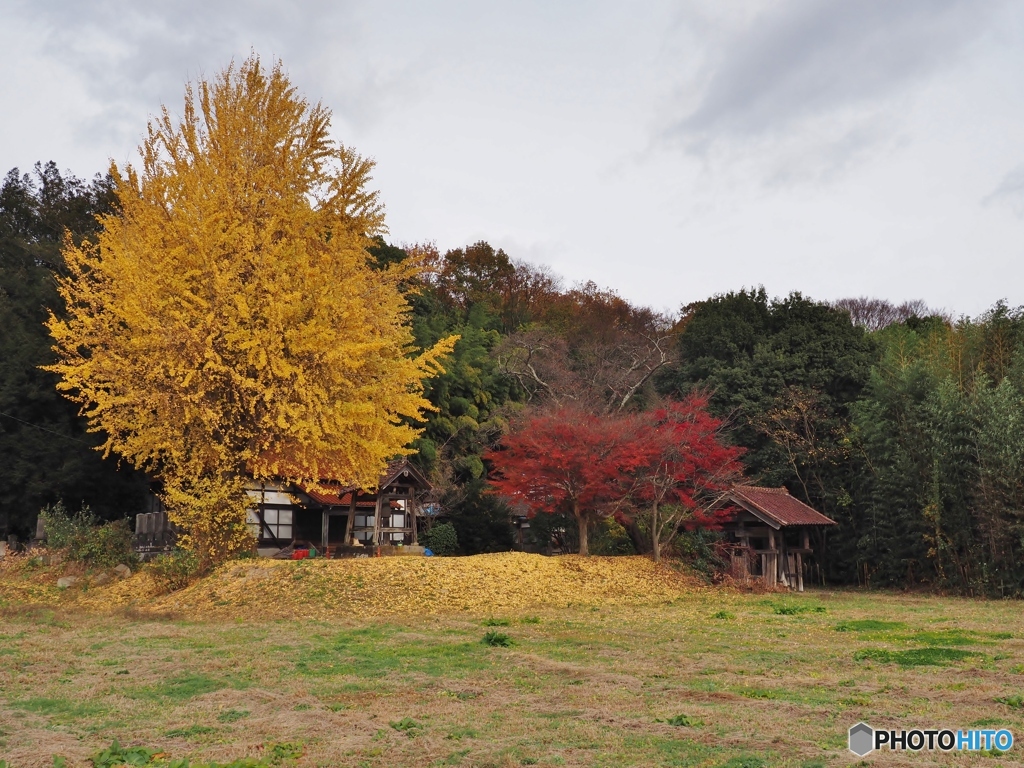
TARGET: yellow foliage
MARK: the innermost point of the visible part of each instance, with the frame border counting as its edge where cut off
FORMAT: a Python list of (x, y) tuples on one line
[(228, 322), (211, 512), (260, 589)]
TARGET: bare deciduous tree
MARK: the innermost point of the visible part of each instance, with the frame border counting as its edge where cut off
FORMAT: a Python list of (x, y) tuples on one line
[(598, 351), (876, 314)]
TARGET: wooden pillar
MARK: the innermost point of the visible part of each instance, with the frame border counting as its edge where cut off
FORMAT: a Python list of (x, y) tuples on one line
[(376, 518), (783, 560), (772, 571), (323, 531), (744, 540), (799, 572), (351, 522), (413, 506)]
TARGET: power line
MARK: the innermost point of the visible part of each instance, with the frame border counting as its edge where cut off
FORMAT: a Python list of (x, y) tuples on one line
[(44, 429)]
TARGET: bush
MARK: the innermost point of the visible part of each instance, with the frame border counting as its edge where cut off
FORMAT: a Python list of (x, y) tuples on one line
[(481, 519), (441, 539), (175, 570), (608, 537), (681, 721), (101, 546), (700, 550), (107, 545), (62, 528), (497, 640)]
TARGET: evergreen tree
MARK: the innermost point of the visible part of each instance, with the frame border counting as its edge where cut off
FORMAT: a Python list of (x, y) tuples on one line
[(783, 374), (46, 454)]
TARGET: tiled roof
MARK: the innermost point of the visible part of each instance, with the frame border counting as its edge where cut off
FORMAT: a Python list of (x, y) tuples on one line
[(400, 467), (339, 496), (392, 471), (777, 505)]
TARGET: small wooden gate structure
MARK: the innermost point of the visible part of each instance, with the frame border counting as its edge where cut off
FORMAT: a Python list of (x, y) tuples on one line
[(770, 535)]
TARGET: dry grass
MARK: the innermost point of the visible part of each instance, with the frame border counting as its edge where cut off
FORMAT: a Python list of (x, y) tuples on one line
[(762, 679)]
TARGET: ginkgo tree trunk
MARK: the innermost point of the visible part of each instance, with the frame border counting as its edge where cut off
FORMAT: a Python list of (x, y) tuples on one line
[(228, 322)]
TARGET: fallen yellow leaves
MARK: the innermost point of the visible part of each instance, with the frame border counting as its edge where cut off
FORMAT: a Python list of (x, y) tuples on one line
[(323, 589)]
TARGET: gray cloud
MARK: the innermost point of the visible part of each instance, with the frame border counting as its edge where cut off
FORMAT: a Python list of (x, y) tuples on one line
[(836, 147), (1010, 191), (810, 59), (133, 57)]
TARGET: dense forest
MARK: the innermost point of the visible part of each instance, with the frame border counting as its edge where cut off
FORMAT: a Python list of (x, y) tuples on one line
[(902, 424)]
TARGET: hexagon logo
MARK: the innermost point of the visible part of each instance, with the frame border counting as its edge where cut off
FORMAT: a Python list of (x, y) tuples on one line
[(862, 739)]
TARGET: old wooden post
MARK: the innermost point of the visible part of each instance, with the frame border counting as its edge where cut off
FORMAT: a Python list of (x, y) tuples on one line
[(376, 518), (783, 560), (413, 507), (351, 522), (805, 544)]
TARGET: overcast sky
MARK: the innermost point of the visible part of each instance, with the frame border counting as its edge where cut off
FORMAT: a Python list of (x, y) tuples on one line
[(669, 150)]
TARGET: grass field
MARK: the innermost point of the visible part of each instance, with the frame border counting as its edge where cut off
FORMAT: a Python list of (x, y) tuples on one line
[(710, 678)]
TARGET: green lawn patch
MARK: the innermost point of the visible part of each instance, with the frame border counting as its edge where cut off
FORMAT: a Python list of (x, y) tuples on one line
[(682, 721), (180, 688), (759, 693), (918, 657), (793, 609), (745, 761), (868, 625), (232, 715), (944, 637), (660, 751), (59, 710), (375, 652), (190, 731), (406, 725)]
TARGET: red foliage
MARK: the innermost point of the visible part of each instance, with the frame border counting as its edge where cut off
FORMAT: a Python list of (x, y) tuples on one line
[(668, 463), (565, 460), (682, 461)]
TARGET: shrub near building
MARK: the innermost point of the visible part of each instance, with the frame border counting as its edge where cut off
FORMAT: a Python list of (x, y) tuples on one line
[(100, 546), (441, 539)]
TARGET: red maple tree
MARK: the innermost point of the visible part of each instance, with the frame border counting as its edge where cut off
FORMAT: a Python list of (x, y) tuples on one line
[(680, 469), (565, 460), (665, 468)]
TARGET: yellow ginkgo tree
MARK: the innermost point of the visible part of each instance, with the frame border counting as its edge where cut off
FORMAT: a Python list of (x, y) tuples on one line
[(227, 323)]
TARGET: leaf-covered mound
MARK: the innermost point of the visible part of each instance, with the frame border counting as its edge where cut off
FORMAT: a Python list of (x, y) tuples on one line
[(380, 586)]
